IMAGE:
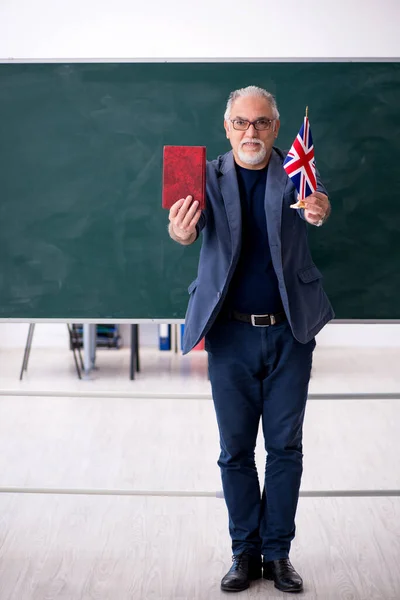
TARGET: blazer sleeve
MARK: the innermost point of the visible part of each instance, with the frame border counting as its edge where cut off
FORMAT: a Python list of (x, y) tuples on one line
[(320, 188)]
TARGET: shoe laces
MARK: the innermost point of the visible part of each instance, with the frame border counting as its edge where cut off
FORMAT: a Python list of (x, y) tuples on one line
[(238, 560), (286, 564)]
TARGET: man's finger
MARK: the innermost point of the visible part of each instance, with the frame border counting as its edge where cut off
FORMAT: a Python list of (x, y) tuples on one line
[(320, 195), (183, 203), (312, 200), (185, 207), (316, 197), (175, 208), (314, 204), (187, 203), (189, 215), (196, 217), (315, 210), (313, 219)]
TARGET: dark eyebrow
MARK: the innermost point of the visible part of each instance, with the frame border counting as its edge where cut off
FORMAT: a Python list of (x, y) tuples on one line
[(258, 118)]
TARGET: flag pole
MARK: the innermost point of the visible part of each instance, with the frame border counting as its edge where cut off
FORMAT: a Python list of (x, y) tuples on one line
[(306, 112)]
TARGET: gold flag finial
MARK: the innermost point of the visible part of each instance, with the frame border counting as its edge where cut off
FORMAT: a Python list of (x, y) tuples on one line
[(307, 112)]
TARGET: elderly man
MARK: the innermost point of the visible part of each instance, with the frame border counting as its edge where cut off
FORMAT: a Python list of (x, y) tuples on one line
[(259, 302)]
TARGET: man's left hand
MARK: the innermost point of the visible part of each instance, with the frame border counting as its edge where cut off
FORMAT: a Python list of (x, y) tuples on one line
[(317, 208)]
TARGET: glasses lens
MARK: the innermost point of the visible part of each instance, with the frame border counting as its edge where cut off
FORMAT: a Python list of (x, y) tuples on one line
[(262, 124), (240, 124)]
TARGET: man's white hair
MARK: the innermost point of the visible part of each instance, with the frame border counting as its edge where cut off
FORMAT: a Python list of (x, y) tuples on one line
[(251, 90)]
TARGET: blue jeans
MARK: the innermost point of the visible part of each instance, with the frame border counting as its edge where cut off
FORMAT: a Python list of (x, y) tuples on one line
[(259, 372)]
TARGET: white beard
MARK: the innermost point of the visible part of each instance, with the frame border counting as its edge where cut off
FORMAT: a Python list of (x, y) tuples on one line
[(254, 158)]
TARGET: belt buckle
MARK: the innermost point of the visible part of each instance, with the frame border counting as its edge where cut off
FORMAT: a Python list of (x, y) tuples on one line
[(254, 317)]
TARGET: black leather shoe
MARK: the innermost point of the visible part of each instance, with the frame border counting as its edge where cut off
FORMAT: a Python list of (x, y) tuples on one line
[(245, 568), (283, 574)]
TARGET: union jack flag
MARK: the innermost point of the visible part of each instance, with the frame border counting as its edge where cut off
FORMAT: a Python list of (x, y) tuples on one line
[(299, 163)]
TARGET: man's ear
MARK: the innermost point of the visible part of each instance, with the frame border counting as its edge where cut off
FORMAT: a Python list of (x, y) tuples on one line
[(277, 124), (227, 127)]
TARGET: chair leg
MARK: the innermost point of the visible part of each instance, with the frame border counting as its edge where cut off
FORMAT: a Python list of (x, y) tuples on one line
[(133, 353), (78, 346), (137, 348), (27, 351), (74, 345)]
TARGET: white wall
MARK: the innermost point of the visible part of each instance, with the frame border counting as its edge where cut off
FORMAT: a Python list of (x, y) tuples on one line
[(210, 29), (206, 29)]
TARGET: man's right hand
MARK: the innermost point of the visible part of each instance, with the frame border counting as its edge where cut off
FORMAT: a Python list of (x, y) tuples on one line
[(183, 216)]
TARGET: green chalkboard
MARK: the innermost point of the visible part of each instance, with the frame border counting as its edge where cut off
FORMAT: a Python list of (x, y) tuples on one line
[(82, 232)]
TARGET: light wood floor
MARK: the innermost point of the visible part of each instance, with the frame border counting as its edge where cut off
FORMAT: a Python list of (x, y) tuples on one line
[(81, 547)]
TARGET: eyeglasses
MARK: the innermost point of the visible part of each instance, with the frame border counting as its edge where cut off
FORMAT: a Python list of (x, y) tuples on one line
[(260, 124)]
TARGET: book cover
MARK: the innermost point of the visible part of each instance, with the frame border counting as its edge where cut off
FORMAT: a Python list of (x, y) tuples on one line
[(184, 174)]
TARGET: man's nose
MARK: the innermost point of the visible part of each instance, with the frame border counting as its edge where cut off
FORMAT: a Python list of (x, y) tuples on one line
[(252, 131)]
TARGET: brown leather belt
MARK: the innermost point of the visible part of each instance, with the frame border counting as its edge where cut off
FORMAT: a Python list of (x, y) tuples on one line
[(258, 320)]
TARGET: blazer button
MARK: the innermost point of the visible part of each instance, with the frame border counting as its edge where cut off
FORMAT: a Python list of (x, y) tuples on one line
[(219, 295)]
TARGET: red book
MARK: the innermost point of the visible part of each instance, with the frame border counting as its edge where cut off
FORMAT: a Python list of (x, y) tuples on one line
[(184, 174)]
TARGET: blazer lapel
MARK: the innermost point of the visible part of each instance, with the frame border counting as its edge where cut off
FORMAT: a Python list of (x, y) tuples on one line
[(230, 194), (276, 182)]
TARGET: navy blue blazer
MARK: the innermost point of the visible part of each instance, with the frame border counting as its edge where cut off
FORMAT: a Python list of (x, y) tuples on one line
[(305, 303)]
